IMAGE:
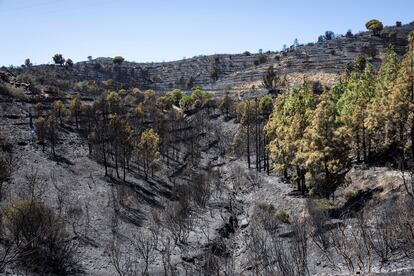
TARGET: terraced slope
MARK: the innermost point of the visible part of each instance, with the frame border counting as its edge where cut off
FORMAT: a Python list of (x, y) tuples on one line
[(321, 61)]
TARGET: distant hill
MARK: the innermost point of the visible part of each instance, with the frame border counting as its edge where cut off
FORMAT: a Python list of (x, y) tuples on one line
[(320, 61)]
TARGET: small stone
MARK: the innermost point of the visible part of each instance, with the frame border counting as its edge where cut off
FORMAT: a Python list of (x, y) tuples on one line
[(244, 223)]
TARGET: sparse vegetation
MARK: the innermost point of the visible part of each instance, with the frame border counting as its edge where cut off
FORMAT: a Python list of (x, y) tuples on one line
[(282, 216), (89, 86), (272, 81), (329, 35), (6, 164), (260, 59), (213, 73), (39, 237), (370, 50), (13, 91)]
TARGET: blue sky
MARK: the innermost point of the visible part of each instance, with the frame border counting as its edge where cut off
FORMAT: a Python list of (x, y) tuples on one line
[(157, 30)]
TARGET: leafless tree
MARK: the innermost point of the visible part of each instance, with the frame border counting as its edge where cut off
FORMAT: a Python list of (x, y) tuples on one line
[(210, 264), (204, 224), (255, 179), (62, 193), (34, 188), (350, 243), (382, 235), (272, 254), (145, 244), (178, 220), (200, 189), (74, 214), (264, 215), (317, 219), (165, 248), (7, 164), (229, 262), (9, 254), (258, 251), (124, 261), (408, 180), (299, 248), (404, 226)]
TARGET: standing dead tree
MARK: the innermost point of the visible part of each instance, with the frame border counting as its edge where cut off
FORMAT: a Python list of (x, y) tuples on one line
[(270, 253), (7, 163), (123, 259), (165, 248), (145, 244)]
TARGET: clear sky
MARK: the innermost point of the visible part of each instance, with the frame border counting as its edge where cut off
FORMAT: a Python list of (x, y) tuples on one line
[(157, 30)]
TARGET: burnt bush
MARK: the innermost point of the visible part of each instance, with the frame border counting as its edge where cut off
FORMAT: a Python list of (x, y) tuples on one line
[(369, 50), (177, 219), (271, 254), (260, 59), (40, 238), (200, 189), (6, 163), (317, 87), (265, 214)]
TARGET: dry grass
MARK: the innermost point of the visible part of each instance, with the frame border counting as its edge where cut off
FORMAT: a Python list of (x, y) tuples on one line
[(387, 181), (324, 204), (295, 79), (11, 90), (267, 214), (349, 192)]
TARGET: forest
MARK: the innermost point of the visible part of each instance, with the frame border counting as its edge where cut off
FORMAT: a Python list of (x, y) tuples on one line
[(104, 177)]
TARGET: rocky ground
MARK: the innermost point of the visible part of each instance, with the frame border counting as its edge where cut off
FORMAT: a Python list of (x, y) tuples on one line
[(75, 187)]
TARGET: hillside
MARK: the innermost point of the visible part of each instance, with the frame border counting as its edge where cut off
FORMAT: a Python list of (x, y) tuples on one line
[(321, 61), (134, 177)]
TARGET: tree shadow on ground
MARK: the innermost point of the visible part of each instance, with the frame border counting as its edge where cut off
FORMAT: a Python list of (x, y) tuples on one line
[(354, 204)]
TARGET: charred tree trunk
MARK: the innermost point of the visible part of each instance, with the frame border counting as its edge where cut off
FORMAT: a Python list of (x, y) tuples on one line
[(248, 145), (298, 180), (116, 160), (256, 135), (358, 149), (124, 170), (364, 144), (76, 120), (104, 156), (412, 138)]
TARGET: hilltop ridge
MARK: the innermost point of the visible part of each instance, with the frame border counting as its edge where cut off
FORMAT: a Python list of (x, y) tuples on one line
[(322, 61)]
